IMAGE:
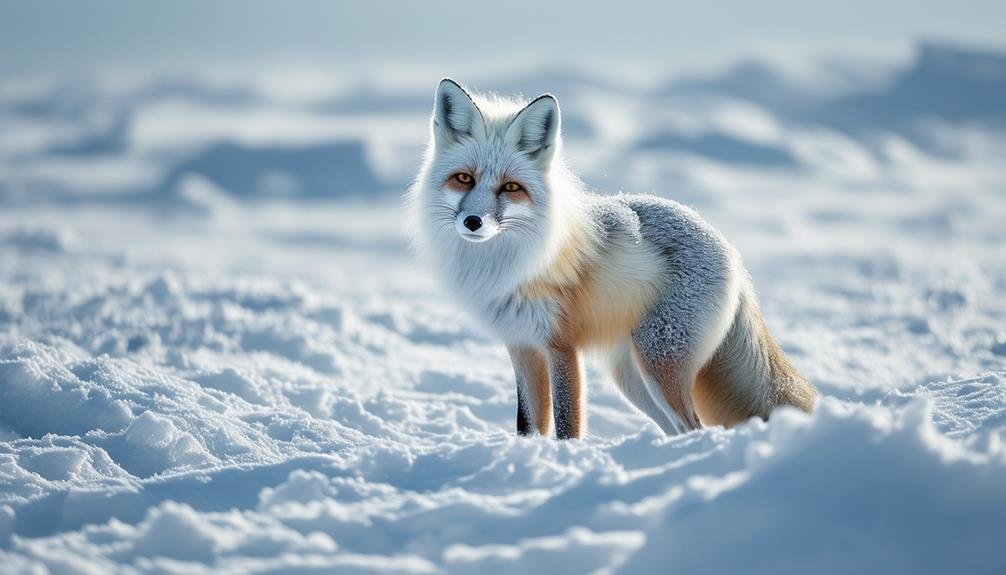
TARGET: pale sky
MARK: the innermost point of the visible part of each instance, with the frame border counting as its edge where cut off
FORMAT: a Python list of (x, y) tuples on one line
[(46, 35)]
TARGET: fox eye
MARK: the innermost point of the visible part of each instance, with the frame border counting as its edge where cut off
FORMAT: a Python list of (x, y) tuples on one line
[(461, 182), (515, 193)]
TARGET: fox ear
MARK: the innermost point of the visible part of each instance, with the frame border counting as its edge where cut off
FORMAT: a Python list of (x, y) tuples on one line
[(535, 129), (455, 115)]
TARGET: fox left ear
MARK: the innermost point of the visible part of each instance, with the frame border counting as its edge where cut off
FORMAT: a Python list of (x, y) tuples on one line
[(455, 115), (535, 129)]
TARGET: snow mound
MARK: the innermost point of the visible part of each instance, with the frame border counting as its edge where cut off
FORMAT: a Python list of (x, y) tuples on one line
[(39, 239), (846, 490), (294, 171)]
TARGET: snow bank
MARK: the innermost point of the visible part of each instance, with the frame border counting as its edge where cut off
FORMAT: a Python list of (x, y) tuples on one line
[(850, 487), (853, 489)]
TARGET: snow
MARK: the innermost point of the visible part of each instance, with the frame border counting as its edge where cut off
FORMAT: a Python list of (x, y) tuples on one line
[(199, 379)]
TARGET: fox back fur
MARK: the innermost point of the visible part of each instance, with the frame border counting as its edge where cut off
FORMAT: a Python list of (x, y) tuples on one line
[(553, 270)]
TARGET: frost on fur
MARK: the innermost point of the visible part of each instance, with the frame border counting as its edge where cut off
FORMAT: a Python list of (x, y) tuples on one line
[(552, 270)]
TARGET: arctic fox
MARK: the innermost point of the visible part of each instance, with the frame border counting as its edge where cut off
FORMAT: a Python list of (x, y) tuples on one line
[(553, 270)]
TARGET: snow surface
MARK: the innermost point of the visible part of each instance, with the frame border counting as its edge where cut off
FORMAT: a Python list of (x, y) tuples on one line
[(198, 379)]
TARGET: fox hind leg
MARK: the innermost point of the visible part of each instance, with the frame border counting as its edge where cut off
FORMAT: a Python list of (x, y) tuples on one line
[(674, 385), (670, 369), (635, 387)]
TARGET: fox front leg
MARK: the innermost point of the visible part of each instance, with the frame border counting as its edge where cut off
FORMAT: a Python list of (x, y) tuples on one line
[(566, 371), (534, 402), (523, 421)]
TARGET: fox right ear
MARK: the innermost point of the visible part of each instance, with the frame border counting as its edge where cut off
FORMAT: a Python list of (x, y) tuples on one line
[(455, 115)]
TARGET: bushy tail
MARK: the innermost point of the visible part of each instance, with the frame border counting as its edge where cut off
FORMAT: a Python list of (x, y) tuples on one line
[(748, 374)]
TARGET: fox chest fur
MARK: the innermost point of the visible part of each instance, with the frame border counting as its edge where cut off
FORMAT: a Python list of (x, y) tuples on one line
[(596, 287)]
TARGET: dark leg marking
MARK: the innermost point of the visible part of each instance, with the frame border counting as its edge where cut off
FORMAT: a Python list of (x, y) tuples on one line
[(523, 421)]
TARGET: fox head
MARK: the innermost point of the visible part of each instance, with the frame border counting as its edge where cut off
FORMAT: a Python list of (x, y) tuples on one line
[(491, 193)]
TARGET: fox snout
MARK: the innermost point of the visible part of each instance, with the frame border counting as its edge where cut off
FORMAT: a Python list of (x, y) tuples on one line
[(475, 228)]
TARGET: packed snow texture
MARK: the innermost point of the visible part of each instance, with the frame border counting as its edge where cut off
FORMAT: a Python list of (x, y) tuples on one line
[(217, 354)]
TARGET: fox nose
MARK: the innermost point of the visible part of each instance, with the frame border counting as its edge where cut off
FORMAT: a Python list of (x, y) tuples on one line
[(473, 223)]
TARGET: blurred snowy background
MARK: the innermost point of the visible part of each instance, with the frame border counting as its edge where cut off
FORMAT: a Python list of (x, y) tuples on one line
[(217, 354)]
